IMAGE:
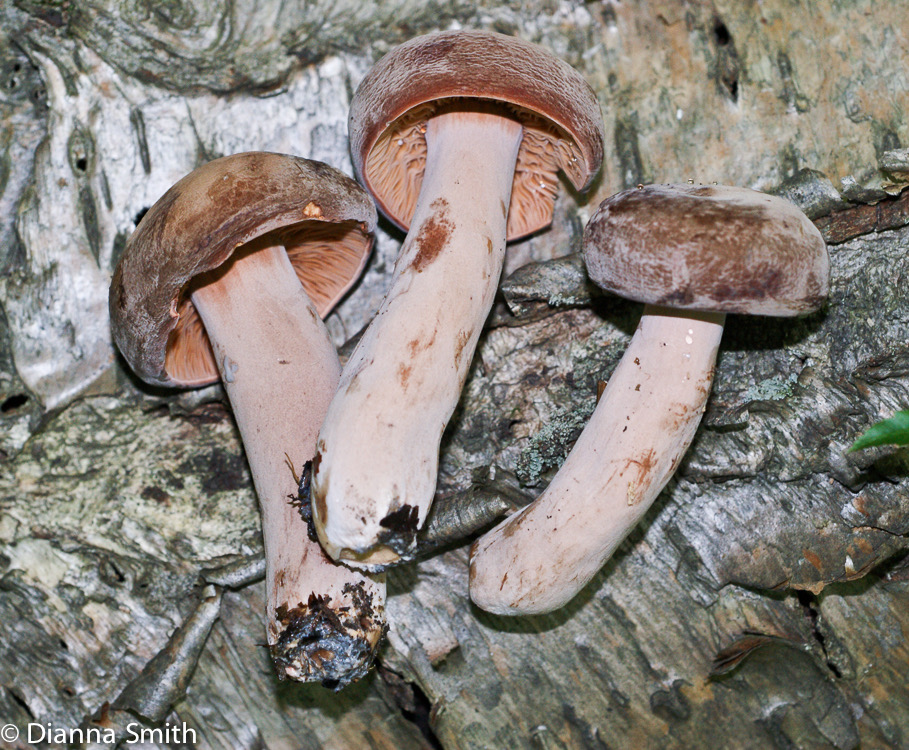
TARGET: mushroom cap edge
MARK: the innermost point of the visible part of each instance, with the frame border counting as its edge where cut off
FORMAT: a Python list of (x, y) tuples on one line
[(712, 248), (198, 224), (473, 64)]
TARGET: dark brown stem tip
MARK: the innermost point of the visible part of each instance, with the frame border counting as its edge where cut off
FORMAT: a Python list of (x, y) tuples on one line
[(334, 645), (303, 501), (399, 531)]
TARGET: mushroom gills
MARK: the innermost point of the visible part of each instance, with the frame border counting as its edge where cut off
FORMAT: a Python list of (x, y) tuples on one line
[(459, 136)]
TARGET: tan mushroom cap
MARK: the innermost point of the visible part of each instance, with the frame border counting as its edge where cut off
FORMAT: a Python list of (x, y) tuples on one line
[(712, 248), (563, 127), (323, 218)]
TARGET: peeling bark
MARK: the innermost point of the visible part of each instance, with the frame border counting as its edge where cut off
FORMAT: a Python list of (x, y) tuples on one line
[(774, 552)]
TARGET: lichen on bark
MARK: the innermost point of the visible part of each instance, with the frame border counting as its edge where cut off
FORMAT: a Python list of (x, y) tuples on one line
[(773, 546)]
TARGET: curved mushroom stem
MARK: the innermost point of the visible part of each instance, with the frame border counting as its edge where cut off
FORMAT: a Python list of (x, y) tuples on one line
[(538, 559), (280, 369), (378, 450)]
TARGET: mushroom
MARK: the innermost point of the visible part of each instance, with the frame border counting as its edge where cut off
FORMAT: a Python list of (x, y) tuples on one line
[(459, 136), (228, 275), (691, 254)]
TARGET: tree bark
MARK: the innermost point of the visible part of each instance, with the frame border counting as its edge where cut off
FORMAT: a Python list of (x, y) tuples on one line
[(763, 601)]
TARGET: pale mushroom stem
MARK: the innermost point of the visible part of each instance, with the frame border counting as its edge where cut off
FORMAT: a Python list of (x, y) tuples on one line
[(646, 418), (280, 370), (380, 443)]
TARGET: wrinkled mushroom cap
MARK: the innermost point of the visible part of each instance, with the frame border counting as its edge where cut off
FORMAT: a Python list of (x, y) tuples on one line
[(709, 248), (563, 126), (323, 218)]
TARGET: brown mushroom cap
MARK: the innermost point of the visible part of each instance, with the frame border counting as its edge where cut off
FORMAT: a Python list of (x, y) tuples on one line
[(709, 248), (323, 218), (563, 126)]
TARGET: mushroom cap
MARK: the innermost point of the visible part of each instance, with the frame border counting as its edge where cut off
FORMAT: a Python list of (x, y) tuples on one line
[(563, 125), (711, 248), (324, 219)]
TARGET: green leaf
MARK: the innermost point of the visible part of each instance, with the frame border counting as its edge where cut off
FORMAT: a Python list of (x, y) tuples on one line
[(893, 431)]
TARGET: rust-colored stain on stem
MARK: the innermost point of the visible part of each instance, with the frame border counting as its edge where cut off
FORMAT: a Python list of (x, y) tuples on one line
[(463, 338), (404, 374), (645, 467), (318, 498), (433, 235)]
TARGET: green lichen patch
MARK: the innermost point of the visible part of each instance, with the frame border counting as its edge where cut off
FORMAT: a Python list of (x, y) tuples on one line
[(550, 446)]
